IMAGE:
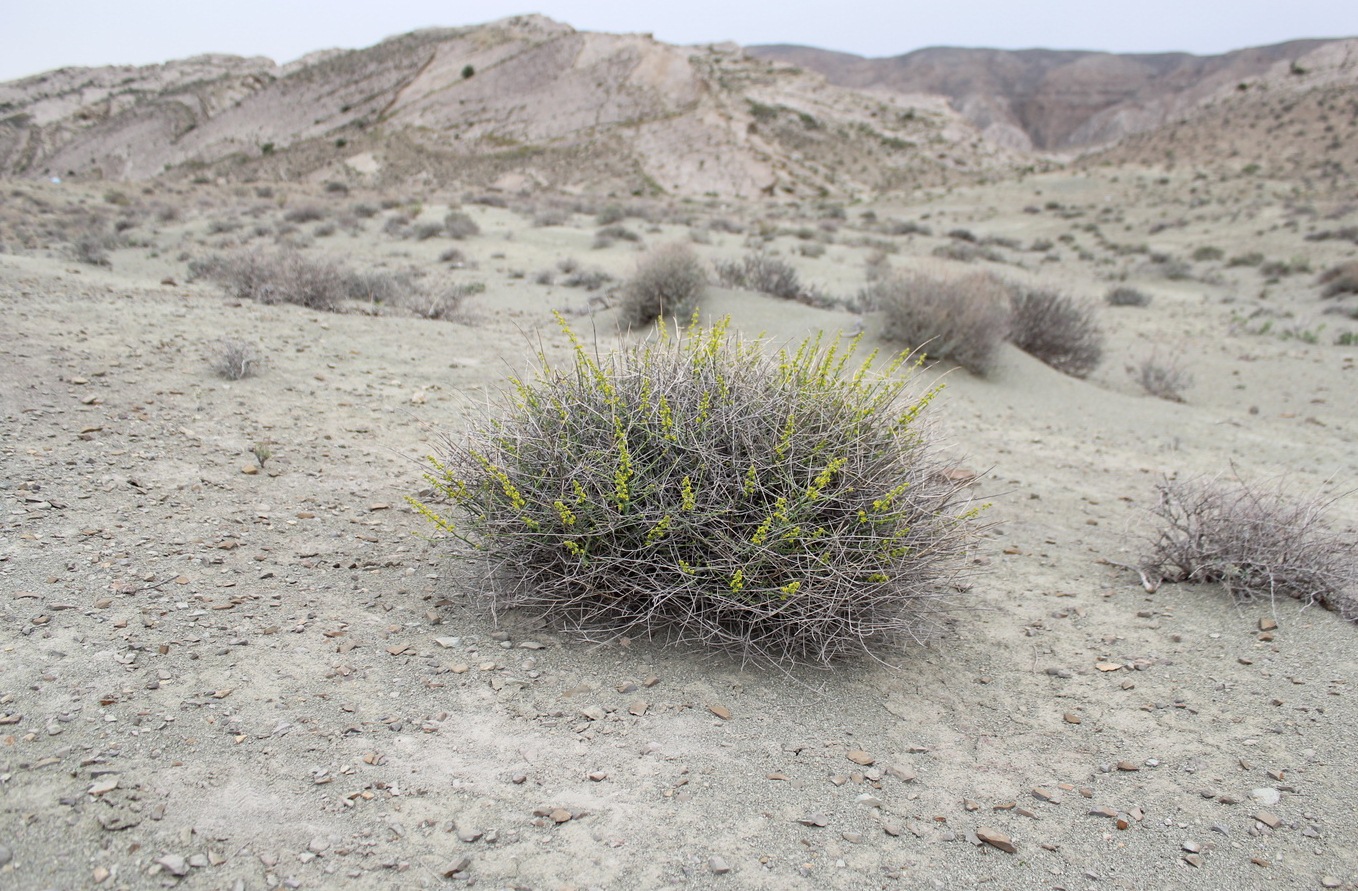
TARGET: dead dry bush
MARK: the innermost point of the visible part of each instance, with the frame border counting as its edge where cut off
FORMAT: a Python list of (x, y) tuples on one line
[(1163, 378), (1341, 279), (668, 283), (963, 319), (1057, 330), (236, 359), (1255, 541)]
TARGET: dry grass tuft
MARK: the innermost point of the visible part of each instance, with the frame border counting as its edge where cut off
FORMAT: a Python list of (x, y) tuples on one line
[(1162, 378), (236, 359), (1341, 279)]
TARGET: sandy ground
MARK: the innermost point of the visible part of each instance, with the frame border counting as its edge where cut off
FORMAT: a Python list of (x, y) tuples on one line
[(224, 676)]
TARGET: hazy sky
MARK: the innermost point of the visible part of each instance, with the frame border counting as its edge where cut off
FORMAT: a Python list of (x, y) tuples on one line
[(38, 36)]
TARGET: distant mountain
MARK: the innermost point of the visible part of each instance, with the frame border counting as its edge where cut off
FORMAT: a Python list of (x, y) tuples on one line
[(1057, 100), (525, 102)]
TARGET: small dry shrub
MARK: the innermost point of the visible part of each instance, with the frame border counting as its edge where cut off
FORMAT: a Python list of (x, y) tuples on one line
[(283, 277), (668, 283), (235, 359), (307, 213), (1057, 330), (759, 272), (694, 488), (445, 302), (459, 225), (1255, 541), (1123, 295), (963, 319), (1341, 279), (1163, 378), (91, 249)]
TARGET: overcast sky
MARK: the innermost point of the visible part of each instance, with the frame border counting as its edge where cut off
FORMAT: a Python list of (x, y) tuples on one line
[(38, 36)]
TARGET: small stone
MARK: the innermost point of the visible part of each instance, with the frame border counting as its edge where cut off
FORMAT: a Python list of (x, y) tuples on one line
[(1268, 624), (637, 708), (1108, 666), (1046, 795), (448, 642), (1103, 811), (175, 864), (891, 829), (100, 875), (560, 815), (1128, 766), (971, 804), (1072, 718), (1260, 861), (1193, 860), (1266, 795), (1192, 847), (1329, 882), (815, 819), (1269, 819), (718, 866), (519, 779), (996, 839), (318, 845), (457, 866), (198, 861), (593, 712), (720, 711), (469, 835), (248, 470), (904, 774), (1123, 822), (857, 756), (598, 776), (853, 838)]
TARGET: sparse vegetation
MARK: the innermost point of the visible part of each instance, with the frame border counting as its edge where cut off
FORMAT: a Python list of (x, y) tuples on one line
[(1255, 541), (1162, 378), (1339, 280), (235, 359), (1123, 295), (668, 284), (694, 489), (460, 226), (760, 272), (963, 319), (1057, 330)]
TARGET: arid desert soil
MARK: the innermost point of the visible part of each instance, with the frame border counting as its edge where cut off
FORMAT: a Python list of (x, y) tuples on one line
[(218, 672)]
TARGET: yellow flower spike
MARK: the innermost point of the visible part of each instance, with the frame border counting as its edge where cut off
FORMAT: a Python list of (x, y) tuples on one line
[(751, 479), (567, 516), (658, 530), (687, 499), (790, 589), (738, 581)]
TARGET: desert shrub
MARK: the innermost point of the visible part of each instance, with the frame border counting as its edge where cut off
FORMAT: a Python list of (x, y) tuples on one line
[(611, 214), (1123, 295), (1056, 329), (324, 230), (963, 319), (966, 252), (668, 283), (453, 255), (365, 211), (905, 227), (426, 231), (1282, 268), (552, 216), (444, 302), (283, 277), (459, 225), (397, 225), (1341, 279), (91, 249), (615, 232), (235, 359), (1255, 541), (589, 279), (1162, 378), (759, 272), (1253, 258), (337, 188), (307, 213), (693, 488), (1208, 253)]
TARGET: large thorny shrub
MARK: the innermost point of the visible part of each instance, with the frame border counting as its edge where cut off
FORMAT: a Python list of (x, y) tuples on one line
[(789, 509)]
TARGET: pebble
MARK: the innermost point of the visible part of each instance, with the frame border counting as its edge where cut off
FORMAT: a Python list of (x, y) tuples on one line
[(100, 875), (6, 855), (175, 864), (1072, 718), (1193, 860), (857, 756), (815, 819), (1266, 795), (996, 839), (1269, 819), (457, 866), (718, 865), (1329, 882), (720, 711)]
